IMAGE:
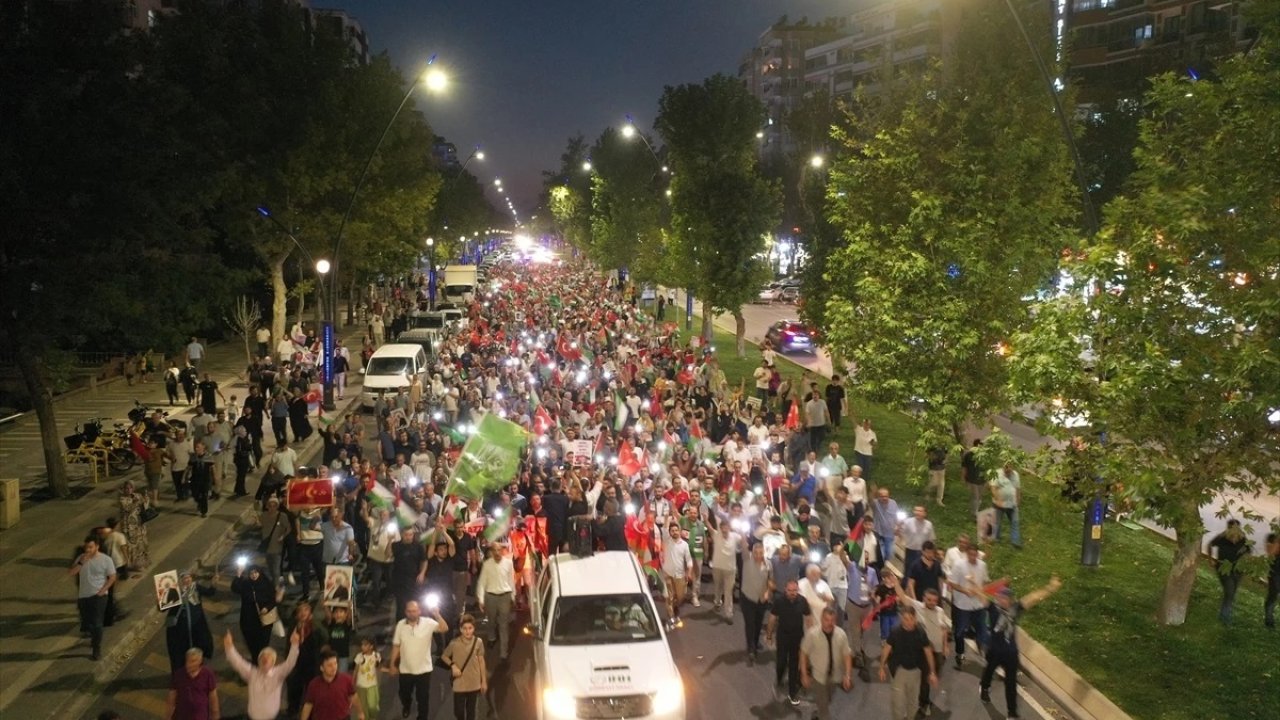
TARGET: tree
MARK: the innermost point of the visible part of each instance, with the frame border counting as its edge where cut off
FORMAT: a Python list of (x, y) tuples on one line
[(811, 123), (721, 207), (567, 193), (627, 206), (1177, 306), (244, 319), (103, 214), (954, 206)]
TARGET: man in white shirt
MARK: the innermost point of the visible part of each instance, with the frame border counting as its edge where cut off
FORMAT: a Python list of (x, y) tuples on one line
[(495, 590), (815, 590), (677, 570), (914, 531), (857, 488), (968, 601), (725, 546), (864, 445), (411, 657), (836, 468)]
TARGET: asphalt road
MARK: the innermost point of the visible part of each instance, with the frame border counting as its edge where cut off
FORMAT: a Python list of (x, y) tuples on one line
[(710, 653)]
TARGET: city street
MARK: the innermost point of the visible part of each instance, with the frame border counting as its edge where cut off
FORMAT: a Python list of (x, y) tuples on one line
[(710, 653)]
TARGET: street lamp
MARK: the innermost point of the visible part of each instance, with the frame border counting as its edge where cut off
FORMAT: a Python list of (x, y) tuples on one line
[(497, 181), (431, 273), (816, 161), (435, 81), (586, 166), (628, 131), (322, 266)]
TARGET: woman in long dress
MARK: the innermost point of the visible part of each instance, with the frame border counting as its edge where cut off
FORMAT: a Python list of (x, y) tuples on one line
[(258, 595), (132, 503), (187, 626)]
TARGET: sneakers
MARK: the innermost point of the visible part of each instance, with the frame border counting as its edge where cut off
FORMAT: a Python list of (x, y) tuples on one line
[(793, 700), (959, 662), (696, 601), (292, 579), (751, 659), (984, 694), (926, 710), (728, 619)]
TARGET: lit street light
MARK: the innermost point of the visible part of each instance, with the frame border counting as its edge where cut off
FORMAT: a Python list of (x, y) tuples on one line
[(628, 131), (586, 166), (431, 273), (816, 161), (497, 181), (322, 266)]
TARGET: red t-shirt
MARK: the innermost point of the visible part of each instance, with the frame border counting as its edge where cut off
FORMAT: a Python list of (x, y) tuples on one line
[(193, 693), (330, 700)]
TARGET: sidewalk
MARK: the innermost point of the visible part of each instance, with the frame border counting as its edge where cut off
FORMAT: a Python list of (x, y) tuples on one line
[(43, 660)]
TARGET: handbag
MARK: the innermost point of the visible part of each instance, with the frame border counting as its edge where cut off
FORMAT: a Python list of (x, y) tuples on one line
[(148, 514), (269, 617)]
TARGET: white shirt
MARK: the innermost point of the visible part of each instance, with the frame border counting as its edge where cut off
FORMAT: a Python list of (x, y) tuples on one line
[(835, 572), (818, 594), (863, 441), (966, 574), (757, 434), (725, 555), (676, 560), (283, 461), (414, 642), (857, 488), (497, 578), (915, 532)]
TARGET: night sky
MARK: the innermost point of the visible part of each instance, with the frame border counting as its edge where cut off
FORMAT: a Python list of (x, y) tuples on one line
[(526, 75)]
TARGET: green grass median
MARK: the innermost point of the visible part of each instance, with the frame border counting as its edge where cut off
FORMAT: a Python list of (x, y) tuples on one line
[(1102, 623)]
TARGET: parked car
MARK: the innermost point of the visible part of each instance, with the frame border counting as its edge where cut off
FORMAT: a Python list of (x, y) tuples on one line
[(769, 293), (791, 336), (789, 294)]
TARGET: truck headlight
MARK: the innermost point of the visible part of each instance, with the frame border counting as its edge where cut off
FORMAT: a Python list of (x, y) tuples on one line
[(669, 699), (558, 703)]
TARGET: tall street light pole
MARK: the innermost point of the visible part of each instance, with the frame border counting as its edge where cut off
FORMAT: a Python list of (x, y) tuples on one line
[(435, 81), (431, 273)]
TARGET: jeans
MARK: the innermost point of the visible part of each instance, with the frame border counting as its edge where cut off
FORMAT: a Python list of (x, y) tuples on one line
[(310, 560), (180, 483), (93, 613), (278, 427), (965, 619), (1230, 584), (464, 704), (379, 575), (1015, 533), (887, 624), (1004, 655), (909, 558), (788, 662), (753, 618), (885, 543), (975, 498), (864, 462), (416, 687)]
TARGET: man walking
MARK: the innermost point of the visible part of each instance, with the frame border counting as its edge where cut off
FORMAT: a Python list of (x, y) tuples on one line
[(179, 453), (937, 627), (972, 477), (411, 657), (825, 659), (1003, 650), (1006, 493), (195, 354), (884, 513), (864, 446), (968, 600), (677, 570), (815, 413), (495, 591), (907, 655), (97, 573), (755, 598), (916, 531), (725, 550), (791, 615)]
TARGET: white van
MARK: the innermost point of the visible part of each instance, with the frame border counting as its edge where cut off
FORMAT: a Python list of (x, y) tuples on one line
[(392, 367), (600, 650)]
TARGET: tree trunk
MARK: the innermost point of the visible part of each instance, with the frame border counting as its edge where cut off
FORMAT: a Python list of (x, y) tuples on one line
[(279, 300), (740, 330), (302, 305), (708, 324), (29, 363), (351, 303), (1182, 575)]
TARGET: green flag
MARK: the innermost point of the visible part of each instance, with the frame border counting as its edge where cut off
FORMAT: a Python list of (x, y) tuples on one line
[(490, 459)]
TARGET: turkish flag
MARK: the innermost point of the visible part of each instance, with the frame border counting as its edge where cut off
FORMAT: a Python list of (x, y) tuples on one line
[(628, 463), (541, 421), (793, 416), (309, 493), (566, 350)]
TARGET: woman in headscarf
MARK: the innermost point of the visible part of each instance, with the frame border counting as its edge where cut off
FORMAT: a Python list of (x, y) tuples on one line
[(132, 503), (187, 627), (258, 598)]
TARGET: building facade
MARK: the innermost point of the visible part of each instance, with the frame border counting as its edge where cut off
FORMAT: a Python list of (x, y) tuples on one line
[(773, 71)]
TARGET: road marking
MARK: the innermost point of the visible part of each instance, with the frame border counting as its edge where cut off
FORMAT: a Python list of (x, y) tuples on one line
[(148, 702)]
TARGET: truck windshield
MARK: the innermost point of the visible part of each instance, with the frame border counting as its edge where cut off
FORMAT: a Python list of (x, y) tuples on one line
[(388, 366), (455, 290), (602, 620)]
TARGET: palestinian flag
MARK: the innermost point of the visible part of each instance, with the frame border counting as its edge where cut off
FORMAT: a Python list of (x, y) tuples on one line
[(382, 499), (854, 541), (695, 435), (620, 411), (490, 459)]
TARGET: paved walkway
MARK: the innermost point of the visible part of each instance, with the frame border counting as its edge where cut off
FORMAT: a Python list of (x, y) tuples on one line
[(44, 662)]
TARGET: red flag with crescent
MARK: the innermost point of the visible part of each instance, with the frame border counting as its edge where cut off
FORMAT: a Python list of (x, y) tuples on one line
[(309, 493)]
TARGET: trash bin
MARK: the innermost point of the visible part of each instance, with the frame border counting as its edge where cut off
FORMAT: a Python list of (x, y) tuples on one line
[(1091, 536)]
